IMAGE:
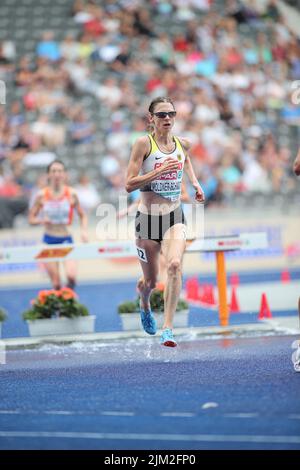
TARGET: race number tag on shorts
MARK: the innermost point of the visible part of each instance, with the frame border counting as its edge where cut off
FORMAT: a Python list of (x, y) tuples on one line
[(142, 254)]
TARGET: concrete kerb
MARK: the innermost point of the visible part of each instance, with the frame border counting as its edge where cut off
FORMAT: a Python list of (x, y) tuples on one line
[(235, 331)]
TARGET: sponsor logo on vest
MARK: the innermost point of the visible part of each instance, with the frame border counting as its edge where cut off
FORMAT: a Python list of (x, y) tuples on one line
[(158, 165)]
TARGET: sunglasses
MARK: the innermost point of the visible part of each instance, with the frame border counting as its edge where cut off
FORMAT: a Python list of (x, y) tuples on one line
[(163, 114)]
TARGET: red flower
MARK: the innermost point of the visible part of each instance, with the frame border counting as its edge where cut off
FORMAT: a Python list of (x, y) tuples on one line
[(160, 286), (66, 293), (44, 294)]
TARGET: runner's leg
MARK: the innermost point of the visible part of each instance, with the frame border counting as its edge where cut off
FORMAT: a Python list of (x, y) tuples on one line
[(53, 273), (148, 256), (173, 246)]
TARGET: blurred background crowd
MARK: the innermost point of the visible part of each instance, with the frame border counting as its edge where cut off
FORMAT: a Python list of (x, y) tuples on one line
[(80, 76)]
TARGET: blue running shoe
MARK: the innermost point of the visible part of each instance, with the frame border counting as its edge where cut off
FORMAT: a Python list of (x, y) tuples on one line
[(167, 338), (148, 321)]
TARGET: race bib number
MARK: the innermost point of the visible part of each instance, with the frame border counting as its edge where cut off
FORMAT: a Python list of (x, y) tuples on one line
[(142, 254)]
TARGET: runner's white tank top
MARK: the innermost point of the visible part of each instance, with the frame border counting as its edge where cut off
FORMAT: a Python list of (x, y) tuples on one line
[(167, 185), (58, 210)]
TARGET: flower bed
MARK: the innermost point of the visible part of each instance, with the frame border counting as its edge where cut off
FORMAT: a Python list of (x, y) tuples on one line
[(3, 317), (54, 304), (58, 312), (130, 316)]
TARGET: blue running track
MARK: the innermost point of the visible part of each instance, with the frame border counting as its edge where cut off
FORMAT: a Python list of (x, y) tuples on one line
[(102, 300), (135, 394)]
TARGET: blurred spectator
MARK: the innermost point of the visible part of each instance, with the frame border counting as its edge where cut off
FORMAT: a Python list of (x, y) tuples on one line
[(255, 177), (143, 24), (7, 52), (121, 61), (81, 129), (229, 172), (82, 12), (39, 157), (51, 135), (241, 12), (48, 47), (12, 200), (24, 72), (212, 186), (106, 50), (87, 193), (69, 48), (229, 72), (109, 93), (15, 116), (271, 11), (86, 46), (94, 26), (110, 169)]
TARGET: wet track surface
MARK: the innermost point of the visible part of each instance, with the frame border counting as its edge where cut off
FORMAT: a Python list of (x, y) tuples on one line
[(230, 393)]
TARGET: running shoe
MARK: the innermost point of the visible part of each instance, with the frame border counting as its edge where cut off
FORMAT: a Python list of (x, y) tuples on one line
[(296, 359), (296, 354), (148, 321), (167, 338)]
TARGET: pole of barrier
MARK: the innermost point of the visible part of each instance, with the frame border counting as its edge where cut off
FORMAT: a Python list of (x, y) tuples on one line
[(222, 288), (126, 248)]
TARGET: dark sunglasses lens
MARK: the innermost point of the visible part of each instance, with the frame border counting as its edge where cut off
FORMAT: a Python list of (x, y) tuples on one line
[(163, 115)]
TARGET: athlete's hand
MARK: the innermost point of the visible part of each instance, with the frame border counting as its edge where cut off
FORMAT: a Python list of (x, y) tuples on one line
[(122, 214), (296, 165), (170, 164), (199, 196)]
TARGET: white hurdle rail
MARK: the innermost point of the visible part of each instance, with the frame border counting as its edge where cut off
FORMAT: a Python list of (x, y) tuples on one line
[(128, 249), (119, 249)]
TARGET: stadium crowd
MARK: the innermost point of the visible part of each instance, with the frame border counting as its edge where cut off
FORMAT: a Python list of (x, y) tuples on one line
[(229, 71)]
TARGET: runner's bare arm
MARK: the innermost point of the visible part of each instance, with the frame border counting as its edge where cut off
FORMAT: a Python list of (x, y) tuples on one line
[(296, 166), (33, 216), (185, 197), (200, 197), (140, 149), (82, 216), (129, 210)]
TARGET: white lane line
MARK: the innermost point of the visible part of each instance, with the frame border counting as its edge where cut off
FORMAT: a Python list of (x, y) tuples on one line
[(64, 413), (240, 415), (117, 413), (36, 412), (129, 413), (160, 437)]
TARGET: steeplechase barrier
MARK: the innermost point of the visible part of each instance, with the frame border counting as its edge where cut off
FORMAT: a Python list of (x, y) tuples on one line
[(119, 249)]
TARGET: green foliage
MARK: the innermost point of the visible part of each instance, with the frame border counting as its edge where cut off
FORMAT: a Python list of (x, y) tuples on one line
[(128, 307), (182, 305), (3, 315), (53, 306), (156, 302)]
